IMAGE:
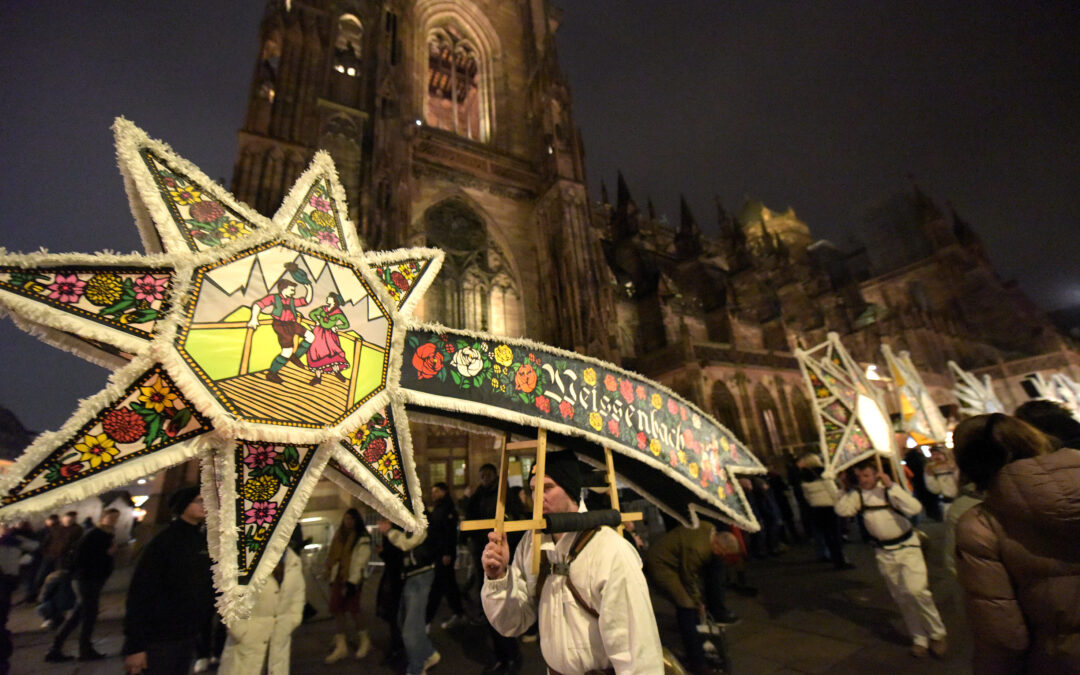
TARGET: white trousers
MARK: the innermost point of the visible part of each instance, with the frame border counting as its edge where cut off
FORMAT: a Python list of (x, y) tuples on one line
[(904, 570)]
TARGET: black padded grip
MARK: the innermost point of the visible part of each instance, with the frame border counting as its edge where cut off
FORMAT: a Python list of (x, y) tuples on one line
[(579, 522)]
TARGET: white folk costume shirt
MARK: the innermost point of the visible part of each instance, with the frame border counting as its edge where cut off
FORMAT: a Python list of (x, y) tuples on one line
[(607, 574), (883, 524)]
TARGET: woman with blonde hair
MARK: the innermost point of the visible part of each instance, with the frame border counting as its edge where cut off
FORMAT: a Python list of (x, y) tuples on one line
[(1018, 553)]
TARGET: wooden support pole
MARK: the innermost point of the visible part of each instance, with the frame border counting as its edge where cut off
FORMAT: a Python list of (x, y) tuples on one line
[(538, 496), (520, 525), (500, 503), (613, 490)]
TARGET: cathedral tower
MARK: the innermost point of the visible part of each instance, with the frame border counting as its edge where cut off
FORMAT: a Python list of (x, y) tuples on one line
[(451, 126)]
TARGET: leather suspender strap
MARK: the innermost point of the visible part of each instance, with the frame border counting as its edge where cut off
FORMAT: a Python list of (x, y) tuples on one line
[(583, 538)]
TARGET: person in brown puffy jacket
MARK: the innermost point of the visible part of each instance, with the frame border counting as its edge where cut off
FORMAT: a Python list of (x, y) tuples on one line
[(1018, 553)]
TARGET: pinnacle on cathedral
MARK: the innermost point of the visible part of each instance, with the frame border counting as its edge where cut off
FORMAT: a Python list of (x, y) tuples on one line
[(688, 238)]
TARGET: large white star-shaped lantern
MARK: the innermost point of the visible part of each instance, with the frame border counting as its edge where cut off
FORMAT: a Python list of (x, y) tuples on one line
[(268, 348)]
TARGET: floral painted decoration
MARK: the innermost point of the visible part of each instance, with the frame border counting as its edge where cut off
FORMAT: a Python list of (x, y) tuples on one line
[(132, 300), (399, 277), (204, 221), (146, 417), (317, 218), (376, 447), (267, 476), (617, 408)]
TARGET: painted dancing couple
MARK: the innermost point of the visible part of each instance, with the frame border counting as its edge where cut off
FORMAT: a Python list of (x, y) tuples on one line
[(320, 344)]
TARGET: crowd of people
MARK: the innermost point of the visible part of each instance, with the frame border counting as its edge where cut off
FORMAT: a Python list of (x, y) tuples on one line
[(1008, 493)]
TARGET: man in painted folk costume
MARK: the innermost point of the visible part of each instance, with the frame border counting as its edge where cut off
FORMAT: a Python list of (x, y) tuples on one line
[(886, 509), (592, 603), (325, 354), (283, 306)]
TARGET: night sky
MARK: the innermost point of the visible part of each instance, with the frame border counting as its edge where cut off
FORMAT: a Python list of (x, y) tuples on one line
[(827, 107)]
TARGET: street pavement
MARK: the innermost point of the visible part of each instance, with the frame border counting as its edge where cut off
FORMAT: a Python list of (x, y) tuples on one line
[(806, 618)]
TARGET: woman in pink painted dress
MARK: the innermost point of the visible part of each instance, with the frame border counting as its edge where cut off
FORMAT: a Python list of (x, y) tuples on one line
[(326, 354)]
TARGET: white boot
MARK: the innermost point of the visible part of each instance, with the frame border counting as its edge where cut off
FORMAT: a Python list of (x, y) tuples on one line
[(365, 644), (341, 649)]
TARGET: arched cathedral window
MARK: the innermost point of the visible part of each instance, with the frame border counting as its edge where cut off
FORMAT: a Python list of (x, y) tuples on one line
[(475, 288), (454, 96), (345, 61), (347, 46), (269, 61)]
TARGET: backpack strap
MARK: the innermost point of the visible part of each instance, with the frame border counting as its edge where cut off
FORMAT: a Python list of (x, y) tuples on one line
[(548, 568), (882, 543)]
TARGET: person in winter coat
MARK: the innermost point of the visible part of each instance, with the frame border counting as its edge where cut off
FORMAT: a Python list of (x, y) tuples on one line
[(680, 563), (388, 594), (821, 494), (13, 546), (418, 569), (57, 597), (265, 637), (443, 532), (1018, 553), (91, 565), (479, 504), (59, 541), (171, 596), (1054, 420), (344, 597)]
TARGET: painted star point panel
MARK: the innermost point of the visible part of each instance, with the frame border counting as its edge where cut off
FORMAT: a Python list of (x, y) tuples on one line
[(148, 415), (267, 476)]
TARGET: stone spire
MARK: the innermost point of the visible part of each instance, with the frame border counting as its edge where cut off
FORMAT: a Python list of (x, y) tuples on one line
[(624, 223), (732, 238), (688, 238)]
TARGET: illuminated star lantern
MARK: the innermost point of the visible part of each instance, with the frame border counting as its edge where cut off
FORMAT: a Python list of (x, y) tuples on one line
[(850, 416), (919, 415), (267, 348), (976, 396)]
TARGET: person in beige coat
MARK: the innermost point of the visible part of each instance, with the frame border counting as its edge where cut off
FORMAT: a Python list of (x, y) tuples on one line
[(1018, 553), (266, 636)]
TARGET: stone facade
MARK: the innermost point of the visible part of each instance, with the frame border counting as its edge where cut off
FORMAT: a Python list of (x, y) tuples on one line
[(451, 125)]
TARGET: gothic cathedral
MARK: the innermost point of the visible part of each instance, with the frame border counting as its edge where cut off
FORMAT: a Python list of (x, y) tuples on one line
[(451, 125)]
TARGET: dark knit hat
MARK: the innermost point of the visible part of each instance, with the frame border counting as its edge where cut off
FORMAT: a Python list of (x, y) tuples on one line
[(179, 500), (564, 469)]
